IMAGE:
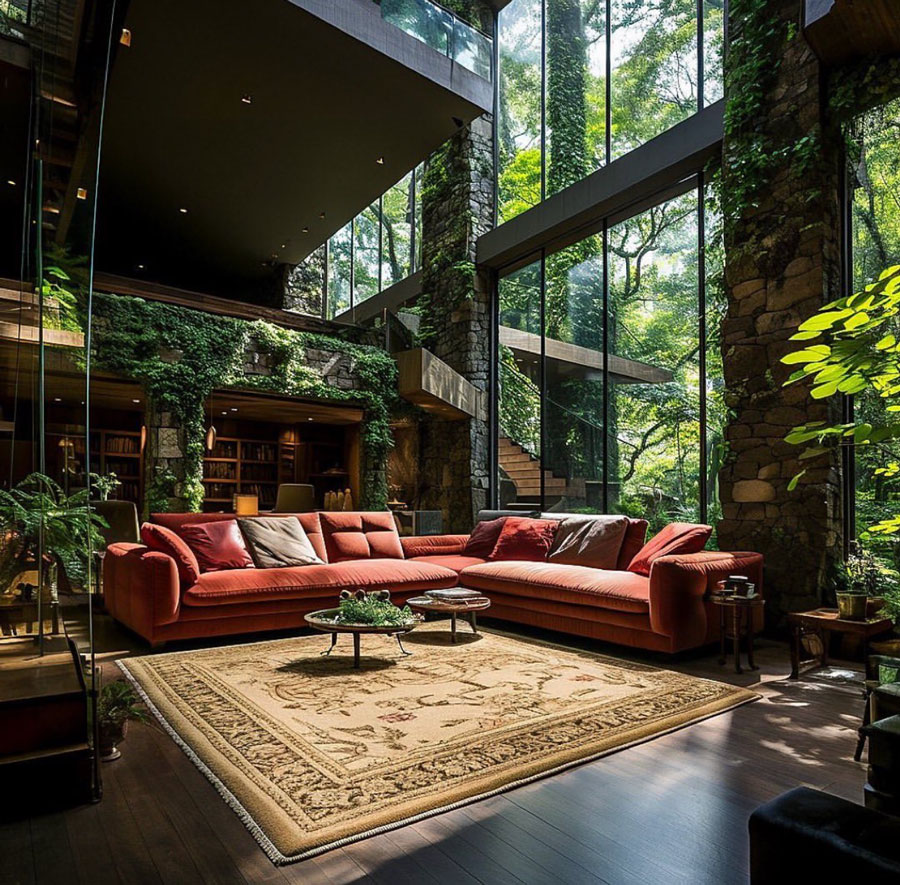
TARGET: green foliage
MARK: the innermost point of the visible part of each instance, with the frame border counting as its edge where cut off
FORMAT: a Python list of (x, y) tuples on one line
[(180, 356), (372, 611), (864, 574), (520, 404), (118, 703), (38, 514), (105, 484)]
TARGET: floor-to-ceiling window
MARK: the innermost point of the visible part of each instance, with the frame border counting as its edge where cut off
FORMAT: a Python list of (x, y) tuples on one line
[(582, 82), (610, 376), (874, 209)]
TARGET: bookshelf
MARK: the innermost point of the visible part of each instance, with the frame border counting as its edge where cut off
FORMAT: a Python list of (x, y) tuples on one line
[(119, 452), (239, 465)]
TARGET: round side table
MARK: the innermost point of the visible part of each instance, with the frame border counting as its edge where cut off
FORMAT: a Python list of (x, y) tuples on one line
[(736, 623)]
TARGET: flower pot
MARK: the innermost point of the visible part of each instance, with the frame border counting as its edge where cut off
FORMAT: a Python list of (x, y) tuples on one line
[(111, 735), (852, 606)]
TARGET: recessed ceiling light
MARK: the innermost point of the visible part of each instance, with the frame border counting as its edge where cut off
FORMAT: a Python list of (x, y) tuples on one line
[(224, 413), (57, 399), (306, 230), (183, 211), (10, 182), (125, 37), (139, 266), (380, 161), (234, 408), (246, 99), (135, 400), (321, 215), (284, 245), (310, 419), (81, 193)]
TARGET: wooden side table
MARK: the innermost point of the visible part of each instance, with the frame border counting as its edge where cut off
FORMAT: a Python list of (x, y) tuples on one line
[(736, 623), (823, 622)]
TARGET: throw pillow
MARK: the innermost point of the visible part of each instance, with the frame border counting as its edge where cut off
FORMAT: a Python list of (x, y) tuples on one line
[(677, 537), (593, 541), (276, 542), (484, 537), (163, 540), (523, 539), (217, 545)]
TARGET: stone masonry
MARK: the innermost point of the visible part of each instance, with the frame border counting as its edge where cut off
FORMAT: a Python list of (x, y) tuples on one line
[(457, 208), (782, 263)]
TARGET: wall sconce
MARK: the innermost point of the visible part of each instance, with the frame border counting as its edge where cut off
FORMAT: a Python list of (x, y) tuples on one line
[(246, 505)]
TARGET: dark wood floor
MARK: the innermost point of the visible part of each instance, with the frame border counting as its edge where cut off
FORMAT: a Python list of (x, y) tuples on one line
[(673, 810)]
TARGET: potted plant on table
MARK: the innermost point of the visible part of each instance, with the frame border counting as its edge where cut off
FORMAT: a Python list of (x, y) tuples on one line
[(862, 580), (38, 517), (117, 706)]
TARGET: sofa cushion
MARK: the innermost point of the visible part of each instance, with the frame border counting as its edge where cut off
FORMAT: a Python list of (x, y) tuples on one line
[(457, 562), (274, 542), (523, 539), (309, 521), (163, 540), (593, 541), (635, 537), (360, 536), (247, 585), (576, 584), (484, 536), (217, 545), (675, 538)]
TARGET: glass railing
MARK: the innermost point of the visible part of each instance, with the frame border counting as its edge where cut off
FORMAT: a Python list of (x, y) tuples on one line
[(442, 31)]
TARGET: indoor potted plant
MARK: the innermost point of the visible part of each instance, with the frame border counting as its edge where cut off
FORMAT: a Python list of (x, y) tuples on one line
[(863, 574), (117, 706), (37, 515)]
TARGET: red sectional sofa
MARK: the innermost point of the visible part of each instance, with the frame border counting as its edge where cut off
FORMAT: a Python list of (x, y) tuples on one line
[(667, 611)]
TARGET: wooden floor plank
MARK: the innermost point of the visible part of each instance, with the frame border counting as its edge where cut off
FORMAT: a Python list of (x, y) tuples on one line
[(94, 857), (51, 850), (16, 859)]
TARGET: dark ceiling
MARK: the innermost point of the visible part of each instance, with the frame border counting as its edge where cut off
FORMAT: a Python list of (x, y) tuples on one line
[(324, 107)]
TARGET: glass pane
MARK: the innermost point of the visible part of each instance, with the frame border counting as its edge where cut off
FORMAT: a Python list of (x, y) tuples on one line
[(472, 49), (519, 439), (419, 173), (339, 271), (654, 410), (396, 232), (713, 49), (716, 410), (573, 457), (654, 69), (305, 285), (366, 233), (576, 91), (519, 171), (422, 19), (875, 179)]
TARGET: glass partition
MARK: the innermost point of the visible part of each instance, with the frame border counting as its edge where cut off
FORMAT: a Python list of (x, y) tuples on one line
[(366, 254)]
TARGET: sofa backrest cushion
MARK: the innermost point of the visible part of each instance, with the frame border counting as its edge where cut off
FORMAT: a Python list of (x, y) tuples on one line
[(488, 515), (675, 538), (634, 540), (309, 521), (356, 535), (275, 542), (593, 541), (524, 539), (163, 540), (484, 537), (217, 545)]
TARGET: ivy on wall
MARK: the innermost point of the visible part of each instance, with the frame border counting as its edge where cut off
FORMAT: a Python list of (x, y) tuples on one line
[(180, 356)]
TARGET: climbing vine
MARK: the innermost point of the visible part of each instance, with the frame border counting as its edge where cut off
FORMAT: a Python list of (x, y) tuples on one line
[(180, 356)]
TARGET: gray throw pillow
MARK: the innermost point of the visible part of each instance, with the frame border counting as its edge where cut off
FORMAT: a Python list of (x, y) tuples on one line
[(277, 542), (593, 541)]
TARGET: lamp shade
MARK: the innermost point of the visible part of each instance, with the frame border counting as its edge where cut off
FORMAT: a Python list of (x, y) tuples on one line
[(246, 505)]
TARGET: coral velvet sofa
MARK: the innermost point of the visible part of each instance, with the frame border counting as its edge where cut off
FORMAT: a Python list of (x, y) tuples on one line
[(665, 611)]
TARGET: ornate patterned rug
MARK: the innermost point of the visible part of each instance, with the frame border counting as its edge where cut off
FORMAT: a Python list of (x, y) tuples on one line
[(313, 754)]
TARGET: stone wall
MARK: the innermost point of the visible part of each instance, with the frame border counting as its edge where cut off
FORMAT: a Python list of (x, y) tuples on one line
[(457, 208), (782, 263)]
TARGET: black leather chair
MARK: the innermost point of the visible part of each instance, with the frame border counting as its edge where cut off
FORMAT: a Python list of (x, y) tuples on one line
[(809, 836)]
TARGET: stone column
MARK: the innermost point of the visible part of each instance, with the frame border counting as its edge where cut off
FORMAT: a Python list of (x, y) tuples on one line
[(782, 263), (165, 468), (457, 208)]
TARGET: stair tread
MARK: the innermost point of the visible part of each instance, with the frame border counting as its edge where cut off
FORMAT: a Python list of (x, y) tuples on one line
[(48, 753)]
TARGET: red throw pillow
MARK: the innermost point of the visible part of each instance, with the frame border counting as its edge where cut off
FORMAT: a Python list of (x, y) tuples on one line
[(525, 539), (484, 537), (163, 540), (677, 537), (217, 545)]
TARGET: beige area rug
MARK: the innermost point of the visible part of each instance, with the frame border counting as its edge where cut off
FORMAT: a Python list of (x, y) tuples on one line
[(313, 754)]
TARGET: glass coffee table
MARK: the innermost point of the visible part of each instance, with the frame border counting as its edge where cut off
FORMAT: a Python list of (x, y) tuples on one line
[(452, 608), (326, 621)]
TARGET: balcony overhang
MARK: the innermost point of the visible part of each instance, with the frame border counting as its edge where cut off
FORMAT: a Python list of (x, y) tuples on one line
[(840, 31), (332, 89), (431, 384)]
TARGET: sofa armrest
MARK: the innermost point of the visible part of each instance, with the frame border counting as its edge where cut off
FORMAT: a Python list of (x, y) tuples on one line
[(433, 545), (680, 583), (141, 587)]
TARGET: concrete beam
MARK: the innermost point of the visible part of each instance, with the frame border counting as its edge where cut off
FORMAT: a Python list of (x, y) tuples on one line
[(431, 384)]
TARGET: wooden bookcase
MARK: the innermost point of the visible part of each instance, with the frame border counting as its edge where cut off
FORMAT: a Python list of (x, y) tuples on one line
[(119, 452), (241, 466)]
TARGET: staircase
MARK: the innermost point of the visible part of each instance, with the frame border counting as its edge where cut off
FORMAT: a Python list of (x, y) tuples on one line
[(525, 471)]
